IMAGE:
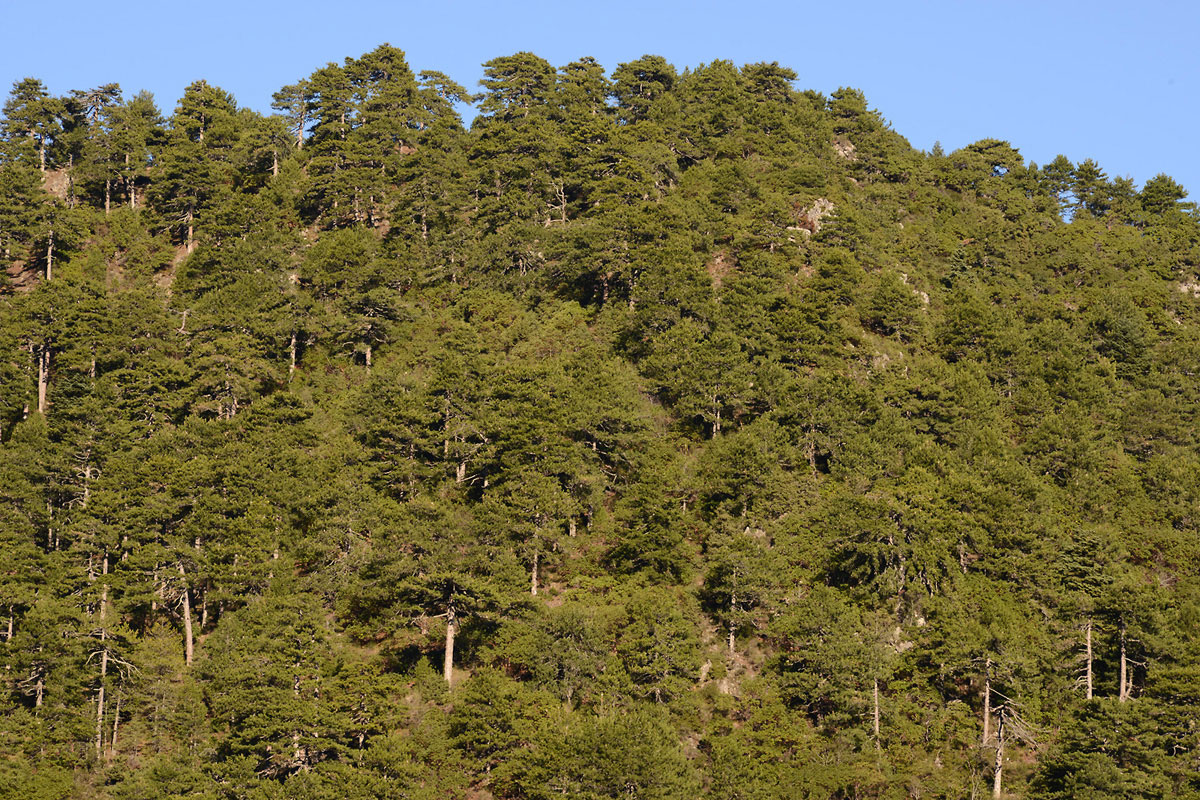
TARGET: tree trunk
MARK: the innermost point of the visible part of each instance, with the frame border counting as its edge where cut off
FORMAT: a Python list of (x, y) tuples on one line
[(1088, 632), (100, 709), (999, 768), (732, 627), (103, 663), (1122, 691), (191, 230), (292, 356), (533, 575), (448, 663), (188, 651), (107, 195), (9, 633), (112, 744), (875, 715), (43, 377), (367, 356), (987, 703), (50, 256)]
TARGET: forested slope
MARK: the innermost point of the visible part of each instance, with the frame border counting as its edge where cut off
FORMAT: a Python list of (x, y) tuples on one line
[(661, 434)]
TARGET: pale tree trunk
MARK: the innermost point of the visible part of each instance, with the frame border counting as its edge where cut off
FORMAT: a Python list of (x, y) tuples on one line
[(448, 662), (9, 633), (987, 703), (107, 195), (572, 528), (292, 356), (732, 627), (875, 715), (296, 750), (129, 185), (533, 575), (50, 256), (191, 230), (103, 661), (100, 709), (999, 768), (1122, 690), (112, 745), (1088, 632), (43, 377), (367, 356), (188, 650)]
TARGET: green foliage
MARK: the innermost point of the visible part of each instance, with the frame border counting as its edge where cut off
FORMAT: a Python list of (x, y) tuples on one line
[(666, 433)]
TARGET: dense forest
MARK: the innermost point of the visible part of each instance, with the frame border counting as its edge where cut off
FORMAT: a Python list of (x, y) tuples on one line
[(658, 434)]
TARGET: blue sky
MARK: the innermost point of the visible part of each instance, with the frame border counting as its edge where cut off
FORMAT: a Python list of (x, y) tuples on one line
[(1117, 82)]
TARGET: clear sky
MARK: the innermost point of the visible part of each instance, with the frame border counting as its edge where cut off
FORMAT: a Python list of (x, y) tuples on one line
[(1114, 81)]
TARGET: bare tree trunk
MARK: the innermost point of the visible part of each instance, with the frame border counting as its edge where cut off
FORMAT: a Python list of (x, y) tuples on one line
[(875, 715), (188, 651), (9, 634), (296, 760), (50, 256), (100, 710), (367, 356), (1122, 691), (999, 768), (572, 528), (292, 356), (533, 575), (732, 627), (112, 744), (43, 377), (107, 195), (38, 691), (1088, 631), (191, 230), (987, 703), (103, 662), (448, 663)]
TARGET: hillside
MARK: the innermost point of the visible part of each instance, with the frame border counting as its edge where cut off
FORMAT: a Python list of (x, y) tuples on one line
[(662, 434)]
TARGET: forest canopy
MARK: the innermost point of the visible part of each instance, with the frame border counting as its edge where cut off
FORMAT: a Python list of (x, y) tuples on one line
[(660, 433)]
